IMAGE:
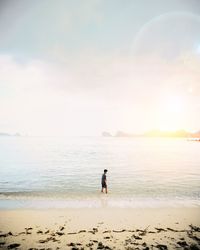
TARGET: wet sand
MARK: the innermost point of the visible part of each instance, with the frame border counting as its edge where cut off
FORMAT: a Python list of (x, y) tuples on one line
[(101, 228)]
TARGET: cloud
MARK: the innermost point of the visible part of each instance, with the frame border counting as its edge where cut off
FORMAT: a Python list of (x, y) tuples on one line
[(97, 91), (107, 77), (79, 66)]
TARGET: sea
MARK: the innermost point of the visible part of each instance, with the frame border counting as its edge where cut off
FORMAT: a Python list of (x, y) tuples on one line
[(65, 172)]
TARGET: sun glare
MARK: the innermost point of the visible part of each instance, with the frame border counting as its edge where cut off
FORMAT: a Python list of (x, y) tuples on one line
[(171, 114), (174, 105)]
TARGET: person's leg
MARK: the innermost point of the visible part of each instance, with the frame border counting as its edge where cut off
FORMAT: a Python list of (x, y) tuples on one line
[(106, 190)]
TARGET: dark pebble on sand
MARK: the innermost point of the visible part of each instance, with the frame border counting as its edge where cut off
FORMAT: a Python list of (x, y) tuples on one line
[(162, 247), (136, 237), (95, 241), (21, 233), (194, 237), (82, 231), (3, 235), (182, 243), (55, 240), (193, 247), (160, 229), (92, 232), (60, 233), (61, 228), (100, 245), (195, 228), (42, 241), (39, 232), (171, 229), (119, 231), (89, 244), (71, 244), (14, 245)]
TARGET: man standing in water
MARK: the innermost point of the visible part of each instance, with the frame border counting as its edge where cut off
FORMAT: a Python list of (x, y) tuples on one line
[(104, 181)]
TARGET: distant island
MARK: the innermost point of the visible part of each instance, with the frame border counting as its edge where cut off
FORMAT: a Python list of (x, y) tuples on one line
[(156, 133), (7, 134)]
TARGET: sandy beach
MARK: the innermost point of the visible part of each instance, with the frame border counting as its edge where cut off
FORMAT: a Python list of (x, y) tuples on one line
[(98, 228)]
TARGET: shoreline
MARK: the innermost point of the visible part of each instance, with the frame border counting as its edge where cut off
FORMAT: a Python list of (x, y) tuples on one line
[(100, 201), (100, 228)]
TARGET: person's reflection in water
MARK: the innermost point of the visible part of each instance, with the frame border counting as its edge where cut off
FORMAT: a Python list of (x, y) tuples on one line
[(104, 201)]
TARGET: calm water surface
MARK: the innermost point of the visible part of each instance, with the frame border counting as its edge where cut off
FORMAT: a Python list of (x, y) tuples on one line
[(66, 171)]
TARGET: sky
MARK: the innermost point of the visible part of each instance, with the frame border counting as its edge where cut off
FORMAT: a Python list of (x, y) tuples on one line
[(83, 67)]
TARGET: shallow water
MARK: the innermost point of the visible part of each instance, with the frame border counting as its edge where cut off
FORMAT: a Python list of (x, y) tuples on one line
[(66, 171)]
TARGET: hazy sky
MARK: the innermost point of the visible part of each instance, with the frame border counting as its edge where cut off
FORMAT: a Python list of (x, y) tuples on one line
[(81, 67)]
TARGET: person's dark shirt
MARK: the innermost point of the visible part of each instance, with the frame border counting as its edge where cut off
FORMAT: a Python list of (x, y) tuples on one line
[(103, 179)]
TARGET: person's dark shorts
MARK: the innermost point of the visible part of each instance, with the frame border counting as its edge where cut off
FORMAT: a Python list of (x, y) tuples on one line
[(104, 185)]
